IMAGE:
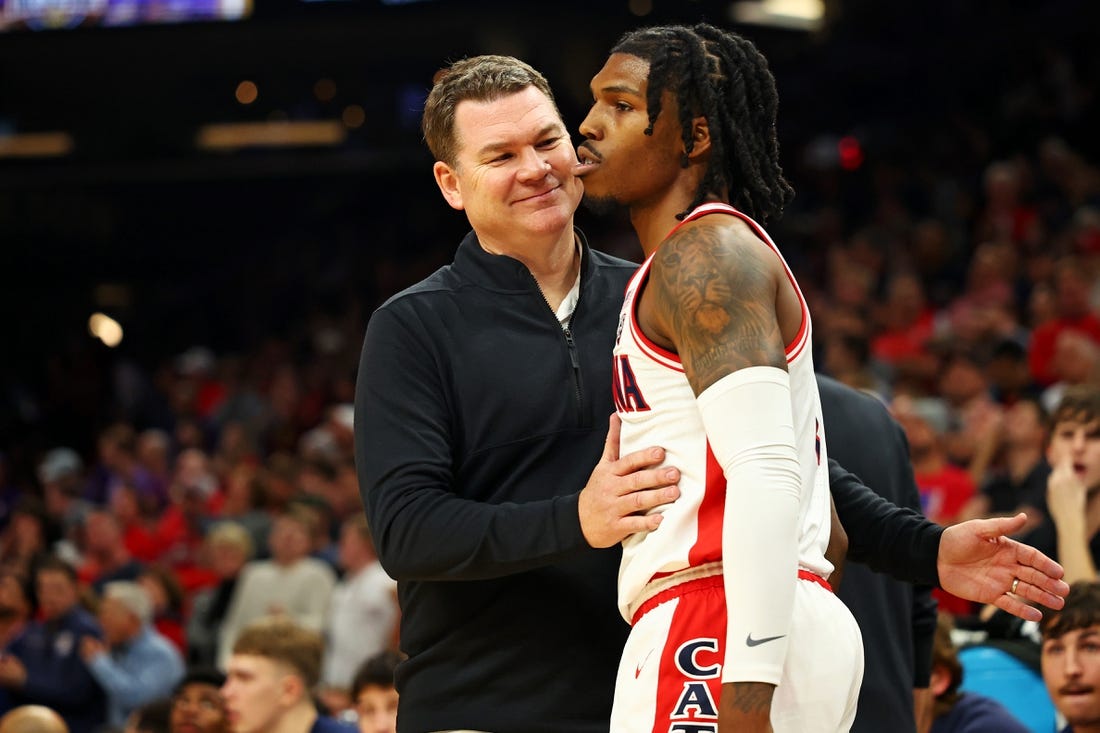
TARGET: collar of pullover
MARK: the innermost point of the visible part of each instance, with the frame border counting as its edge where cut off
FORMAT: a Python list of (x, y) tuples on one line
[(503, 272)]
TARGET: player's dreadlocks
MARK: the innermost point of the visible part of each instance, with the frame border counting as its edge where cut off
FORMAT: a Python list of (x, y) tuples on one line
[(723, 77)]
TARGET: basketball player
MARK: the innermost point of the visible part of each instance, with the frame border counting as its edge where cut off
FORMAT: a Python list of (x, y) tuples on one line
[(735, 627), (480, 406)]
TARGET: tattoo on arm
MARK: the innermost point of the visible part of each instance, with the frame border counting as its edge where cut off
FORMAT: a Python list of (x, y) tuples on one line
[(717, 296), (747, 698)]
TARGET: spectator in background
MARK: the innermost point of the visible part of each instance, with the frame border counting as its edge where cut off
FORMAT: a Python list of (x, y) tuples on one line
[(152, 717), (16, 604), (363, 614), (245, 494), (1071, 531), (228, 547), (132, 663), (183, 525), (197, 705), (1070, 658), (1008, 375), (1071, 290), (909, 324), (118, 464), (1076, 361), (273, 668), (105, 555), (154, 454), (374, 695), (43, 665), (974, 418), (26, 538), (290, 583), (166, 593), (61, 474), (1019, 484), (32, 719), (951, 711), (944, 488), (139, 534)]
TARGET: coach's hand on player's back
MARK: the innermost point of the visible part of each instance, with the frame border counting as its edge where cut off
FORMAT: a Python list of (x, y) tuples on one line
[(620, 490)]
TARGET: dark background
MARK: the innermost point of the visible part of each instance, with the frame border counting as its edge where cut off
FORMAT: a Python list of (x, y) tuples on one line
[(229, 250)]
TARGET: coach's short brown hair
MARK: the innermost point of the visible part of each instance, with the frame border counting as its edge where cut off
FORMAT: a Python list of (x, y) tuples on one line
[(481, 79), (281, 640)]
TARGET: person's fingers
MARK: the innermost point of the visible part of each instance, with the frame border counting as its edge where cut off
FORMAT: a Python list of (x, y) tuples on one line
[(1017, 607), (1030, 557), (643, 501), (632, 464), (1035, 594), (611, 444), (995, 527), (640, 523), (1040, 588), (637, 484)]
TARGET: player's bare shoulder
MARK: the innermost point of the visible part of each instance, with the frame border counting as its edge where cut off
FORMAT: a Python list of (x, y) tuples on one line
[(713, 288)]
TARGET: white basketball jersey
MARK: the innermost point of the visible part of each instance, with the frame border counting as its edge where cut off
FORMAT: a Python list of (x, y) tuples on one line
[(658, 407)]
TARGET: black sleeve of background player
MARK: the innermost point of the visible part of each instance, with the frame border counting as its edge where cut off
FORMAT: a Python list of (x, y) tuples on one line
[(924, 605), (924, 631), (422, 527), (885, 537)]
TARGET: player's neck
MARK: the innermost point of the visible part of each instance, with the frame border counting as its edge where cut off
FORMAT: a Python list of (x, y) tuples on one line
[(654, 221)]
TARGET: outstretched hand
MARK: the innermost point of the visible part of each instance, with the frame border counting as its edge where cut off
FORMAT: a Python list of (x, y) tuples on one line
[(978, 561), (620, 490)]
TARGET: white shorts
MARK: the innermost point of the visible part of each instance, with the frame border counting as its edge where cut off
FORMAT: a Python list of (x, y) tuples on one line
[(817, 693)]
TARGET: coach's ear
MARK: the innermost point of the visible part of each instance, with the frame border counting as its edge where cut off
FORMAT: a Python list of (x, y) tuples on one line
[(700, 139), (447, 180)]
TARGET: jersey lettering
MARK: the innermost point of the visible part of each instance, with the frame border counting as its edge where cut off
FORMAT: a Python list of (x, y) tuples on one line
[(628, 396), (686, 659), (695, 698)]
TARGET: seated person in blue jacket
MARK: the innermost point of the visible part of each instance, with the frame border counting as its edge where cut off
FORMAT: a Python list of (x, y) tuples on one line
[(1071, 658), (960, 712), (43, 665)]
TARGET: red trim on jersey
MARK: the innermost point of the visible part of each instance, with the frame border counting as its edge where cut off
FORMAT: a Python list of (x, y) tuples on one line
[(796, 345), (710, 581), (708, 528), (815, 578), (705, 615), (658, 354)]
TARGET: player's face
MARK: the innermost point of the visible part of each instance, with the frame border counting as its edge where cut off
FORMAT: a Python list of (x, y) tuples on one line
[(513, 174), (1071, 670), (622, 164), (1079, 443)]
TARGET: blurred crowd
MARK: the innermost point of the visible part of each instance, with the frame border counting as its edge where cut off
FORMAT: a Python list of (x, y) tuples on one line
[(175, 501)]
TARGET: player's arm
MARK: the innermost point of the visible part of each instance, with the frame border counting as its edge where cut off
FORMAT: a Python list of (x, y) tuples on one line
[(712, 294)]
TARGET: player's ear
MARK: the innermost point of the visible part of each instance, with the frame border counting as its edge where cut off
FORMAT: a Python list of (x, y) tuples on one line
[(700, 138), (447, 180)]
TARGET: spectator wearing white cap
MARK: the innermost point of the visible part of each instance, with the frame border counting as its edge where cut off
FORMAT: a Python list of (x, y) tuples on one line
[(136, 665)]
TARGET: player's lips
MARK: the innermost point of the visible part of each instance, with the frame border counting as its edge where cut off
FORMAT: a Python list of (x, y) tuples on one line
[(589, 159)]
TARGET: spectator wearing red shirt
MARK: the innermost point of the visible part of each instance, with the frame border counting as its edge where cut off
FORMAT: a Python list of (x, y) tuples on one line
[(1071, 289)]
